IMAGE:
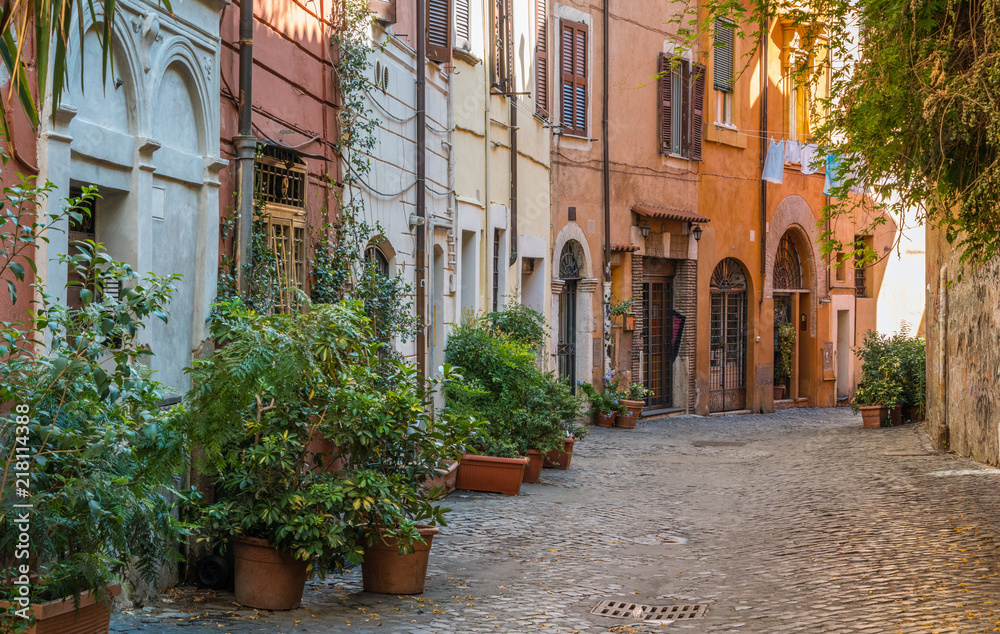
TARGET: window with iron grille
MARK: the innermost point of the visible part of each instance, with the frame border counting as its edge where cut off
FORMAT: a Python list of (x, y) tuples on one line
[(280, 177), (280, 182), (502, 47), (860, 268), (496, 270)]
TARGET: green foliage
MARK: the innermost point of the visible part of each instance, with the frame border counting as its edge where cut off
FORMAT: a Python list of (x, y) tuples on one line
[(525, 407), (881, 373), (786, 342), (603, 402), (635, 392), (520, 323), (912, 353), (621, 307), (103, 456)]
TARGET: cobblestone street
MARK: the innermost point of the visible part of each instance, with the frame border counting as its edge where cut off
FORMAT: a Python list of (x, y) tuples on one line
[(799, 521)]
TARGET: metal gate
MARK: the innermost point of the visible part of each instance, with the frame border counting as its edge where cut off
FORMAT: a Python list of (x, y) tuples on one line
[(569, 272), (728, 330), (658, 354)]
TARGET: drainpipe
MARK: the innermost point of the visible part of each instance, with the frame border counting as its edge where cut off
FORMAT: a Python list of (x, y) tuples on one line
[(421, 263), (486, 246), (513, 180), (763, 156), (606, 295), (246, 148)]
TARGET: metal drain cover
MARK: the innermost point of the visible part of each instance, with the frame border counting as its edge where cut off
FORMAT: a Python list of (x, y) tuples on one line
[(627, 610)]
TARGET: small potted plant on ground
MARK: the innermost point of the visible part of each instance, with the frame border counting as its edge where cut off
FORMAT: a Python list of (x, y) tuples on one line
[(783, 358), (633, 401), (561, 458), (605, 406), (881, 385)]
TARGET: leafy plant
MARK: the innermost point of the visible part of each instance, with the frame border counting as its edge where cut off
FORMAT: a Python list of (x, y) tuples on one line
[(603, 402), (520, 323), (103, 456), (621, 307), (912, 353), (786, 343), (636, 392), (881, 373)]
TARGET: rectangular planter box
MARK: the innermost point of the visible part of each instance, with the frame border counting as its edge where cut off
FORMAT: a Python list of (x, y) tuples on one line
[(61, 616), (491, 474)]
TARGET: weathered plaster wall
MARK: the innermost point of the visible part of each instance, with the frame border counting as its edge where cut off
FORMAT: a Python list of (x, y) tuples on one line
[(963, 358)]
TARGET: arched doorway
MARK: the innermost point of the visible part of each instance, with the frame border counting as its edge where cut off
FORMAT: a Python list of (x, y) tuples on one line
[(791, 302), (728, 338), (569, 273)]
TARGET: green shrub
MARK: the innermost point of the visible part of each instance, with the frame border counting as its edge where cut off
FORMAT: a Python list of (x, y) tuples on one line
[(520, 323)]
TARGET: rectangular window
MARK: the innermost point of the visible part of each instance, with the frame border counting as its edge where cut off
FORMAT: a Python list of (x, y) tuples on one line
[(286, 235), (573, 69), (496, 270), (541, 59), (681, 107), (439, 33), (861, 278), (502, 55), (280, 182), (81, 231)]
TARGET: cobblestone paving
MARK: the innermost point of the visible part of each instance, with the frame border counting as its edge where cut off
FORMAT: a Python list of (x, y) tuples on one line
[(799, 521)]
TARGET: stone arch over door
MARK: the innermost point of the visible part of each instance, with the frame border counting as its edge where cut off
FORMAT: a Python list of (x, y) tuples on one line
[(794, 214)]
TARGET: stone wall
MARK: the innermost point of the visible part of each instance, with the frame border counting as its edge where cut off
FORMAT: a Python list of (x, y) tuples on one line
[(963, 358)]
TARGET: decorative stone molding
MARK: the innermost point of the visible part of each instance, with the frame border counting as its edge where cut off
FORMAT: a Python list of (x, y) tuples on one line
[(794, 213)]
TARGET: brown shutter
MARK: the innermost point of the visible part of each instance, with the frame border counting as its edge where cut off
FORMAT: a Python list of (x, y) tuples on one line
[(666, 80), (685, 105), (541, 59), (383, 10), (439, 31), (697, 109), (573, 66)]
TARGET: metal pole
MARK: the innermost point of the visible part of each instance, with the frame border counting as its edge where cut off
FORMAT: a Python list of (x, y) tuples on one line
[(246, 147), (421, 263), (513, 180)]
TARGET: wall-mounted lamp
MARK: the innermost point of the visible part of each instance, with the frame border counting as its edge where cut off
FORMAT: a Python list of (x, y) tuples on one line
[(417, 221), (644, 229), (696, 230)]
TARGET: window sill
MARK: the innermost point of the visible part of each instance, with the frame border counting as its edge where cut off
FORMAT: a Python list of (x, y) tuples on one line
[(576, 137), (466, 56), (723, 134)]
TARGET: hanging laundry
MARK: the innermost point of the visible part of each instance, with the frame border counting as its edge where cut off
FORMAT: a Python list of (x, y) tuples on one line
[(774, 164), (808, 156), (793, 152), (834, 178)]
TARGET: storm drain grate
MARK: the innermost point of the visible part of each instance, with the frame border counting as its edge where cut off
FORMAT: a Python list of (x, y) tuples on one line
[(626, 610)]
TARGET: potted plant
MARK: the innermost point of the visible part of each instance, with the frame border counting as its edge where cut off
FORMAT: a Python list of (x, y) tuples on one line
[(524, 408), (560, 458), (881, 385), (86, 444), (632, 398), (255, 408), (605, 406), (912, 354), (783, 358)]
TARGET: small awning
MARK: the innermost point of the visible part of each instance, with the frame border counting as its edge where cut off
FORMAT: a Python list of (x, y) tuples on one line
[(668, 213), (627, 248)]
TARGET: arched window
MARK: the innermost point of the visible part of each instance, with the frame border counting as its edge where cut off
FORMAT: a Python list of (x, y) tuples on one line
[(375, 255), (787, 265), (569, 265)]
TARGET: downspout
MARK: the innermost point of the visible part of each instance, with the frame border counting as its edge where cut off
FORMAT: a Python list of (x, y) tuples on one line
[(513, 180), (765, 26), (487, 242), (421, 262), (606, 294), (246, 148)]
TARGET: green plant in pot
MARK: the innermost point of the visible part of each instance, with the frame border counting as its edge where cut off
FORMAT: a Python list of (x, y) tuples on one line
[(631, 397), (392, 446), (255, 409), (783, 359), (85, 442), (882, 379)]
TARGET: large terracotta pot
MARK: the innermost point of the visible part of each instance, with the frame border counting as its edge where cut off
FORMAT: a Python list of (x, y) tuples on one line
[(557, 459), (265, 578), (896, 415), (874, 416), (61, 616), (445, 479), (627, 421), (606, 419), (533, 471), (385, 571), (492, 474), (779, 392)]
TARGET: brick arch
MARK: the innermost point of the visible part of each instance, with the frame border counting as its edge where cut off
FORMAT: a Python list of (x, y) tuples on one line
[(794, 214)]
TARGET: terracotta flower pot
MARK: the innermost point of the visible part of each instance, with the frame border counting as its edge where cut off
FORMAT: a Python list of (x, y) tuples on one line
[(874, 416), (265, 578), (556, 459), (779, 392), (606, 419), (61, 616), (492, 474), (627, 421), (385, 571), (319, 455), (534, 469), (445, 479)]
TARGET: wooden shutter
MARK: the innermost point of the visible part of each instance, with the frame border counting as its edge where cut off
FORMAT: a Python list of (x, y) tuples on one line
[(573, 67), (698, 72), (502, 72), (666, 81), (439, 30), (541, 59), (684, 103), (722, 56), (383, 10), (462, 21)]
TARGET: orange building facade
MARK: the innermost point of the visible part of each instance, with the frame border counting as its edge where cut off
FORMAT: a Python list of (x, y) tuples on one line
[(702, 256)]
